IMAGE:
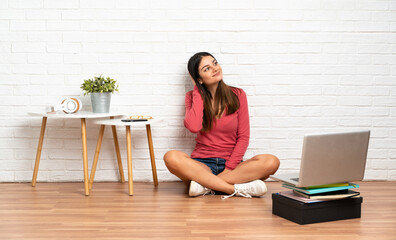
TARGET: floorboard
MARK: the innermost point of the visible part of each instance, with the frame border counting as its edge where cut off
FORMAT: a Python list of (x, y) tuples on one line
[(61, 211)]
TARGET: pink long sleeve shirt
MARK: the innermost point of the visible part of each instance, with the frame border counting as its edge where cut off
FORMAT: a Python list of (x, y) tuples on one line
[(229, 137)]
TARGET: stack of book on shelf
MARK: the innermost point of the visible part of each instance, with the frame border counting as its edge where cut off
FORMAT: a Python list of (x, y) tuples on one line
[(320, 193)]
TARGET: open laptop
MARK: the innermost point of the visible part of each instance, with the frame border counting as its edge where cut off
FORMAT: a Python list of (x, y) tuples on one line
[(330, 158)]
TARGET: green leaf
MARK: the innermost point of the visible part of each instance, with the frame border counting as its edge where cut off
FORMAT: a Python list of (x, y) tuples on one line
[(99, 84)]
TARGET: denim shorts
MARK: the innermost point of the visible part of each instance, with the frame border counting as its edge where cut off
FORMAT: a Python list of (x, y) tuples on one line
[(217, 165)]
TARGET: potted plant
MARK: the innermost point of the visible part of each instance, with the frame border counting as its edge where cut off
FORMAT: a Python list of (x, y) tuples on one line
[(100, 89)]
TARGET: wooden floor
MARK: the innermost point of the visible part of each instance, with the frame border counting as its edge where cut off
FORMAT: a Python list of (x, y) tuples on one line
[(61, 211)]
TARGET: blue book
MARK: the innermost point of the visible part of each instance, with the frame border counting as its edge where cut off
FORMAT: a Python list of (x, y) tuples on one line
[(320, 190)]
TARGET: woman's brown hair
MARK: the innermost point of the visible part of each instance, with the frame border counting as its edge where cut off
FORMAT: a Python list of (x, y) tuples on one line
[(225, 100)]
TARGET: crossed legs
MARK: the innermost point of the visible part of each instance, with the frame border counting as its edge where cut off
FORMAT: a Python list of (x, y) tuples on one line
[(187, 169)]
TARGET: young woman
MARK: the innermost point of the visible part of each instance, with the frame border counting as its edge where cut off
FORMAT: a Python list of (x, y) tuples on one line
[(218, 113)]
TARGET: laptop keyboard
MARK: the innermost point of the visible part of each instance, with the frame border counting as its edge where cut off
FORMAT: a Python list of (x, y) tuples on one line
[(294, 179)]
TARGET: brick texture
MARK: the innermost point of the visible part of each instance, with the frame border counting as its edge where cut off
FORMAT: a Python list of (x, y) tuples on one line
[(307, 67)]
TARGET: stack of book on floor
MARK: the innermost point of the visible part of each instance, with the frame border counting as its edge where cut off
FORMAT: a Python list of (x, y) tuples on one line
[(317, 204), (320, 193)]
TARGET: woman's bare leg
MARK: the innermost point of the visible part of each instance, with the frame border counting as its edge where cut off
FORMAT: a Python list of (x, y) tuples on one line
[(187, 169), (258, 167)]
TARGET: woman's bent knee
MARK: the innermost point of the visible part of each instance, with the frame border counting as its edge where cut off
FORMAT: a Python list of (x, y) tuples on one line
[(170, 155), (173, 157), (271, 163)]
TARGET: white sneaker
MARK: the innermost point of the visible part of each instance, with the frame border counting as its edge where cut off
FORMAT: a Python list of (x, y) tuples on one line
[(197, 189), (254, 188)]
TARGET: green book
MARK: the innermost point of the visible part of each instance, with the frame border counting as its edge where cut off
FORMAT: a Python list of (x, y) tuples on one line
[(329, 195), (328, 185), (320, 190)]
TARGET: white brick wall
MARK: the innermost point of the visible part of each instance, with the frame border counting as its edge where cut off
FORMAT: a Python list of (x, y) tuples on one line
[(308, 66)]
